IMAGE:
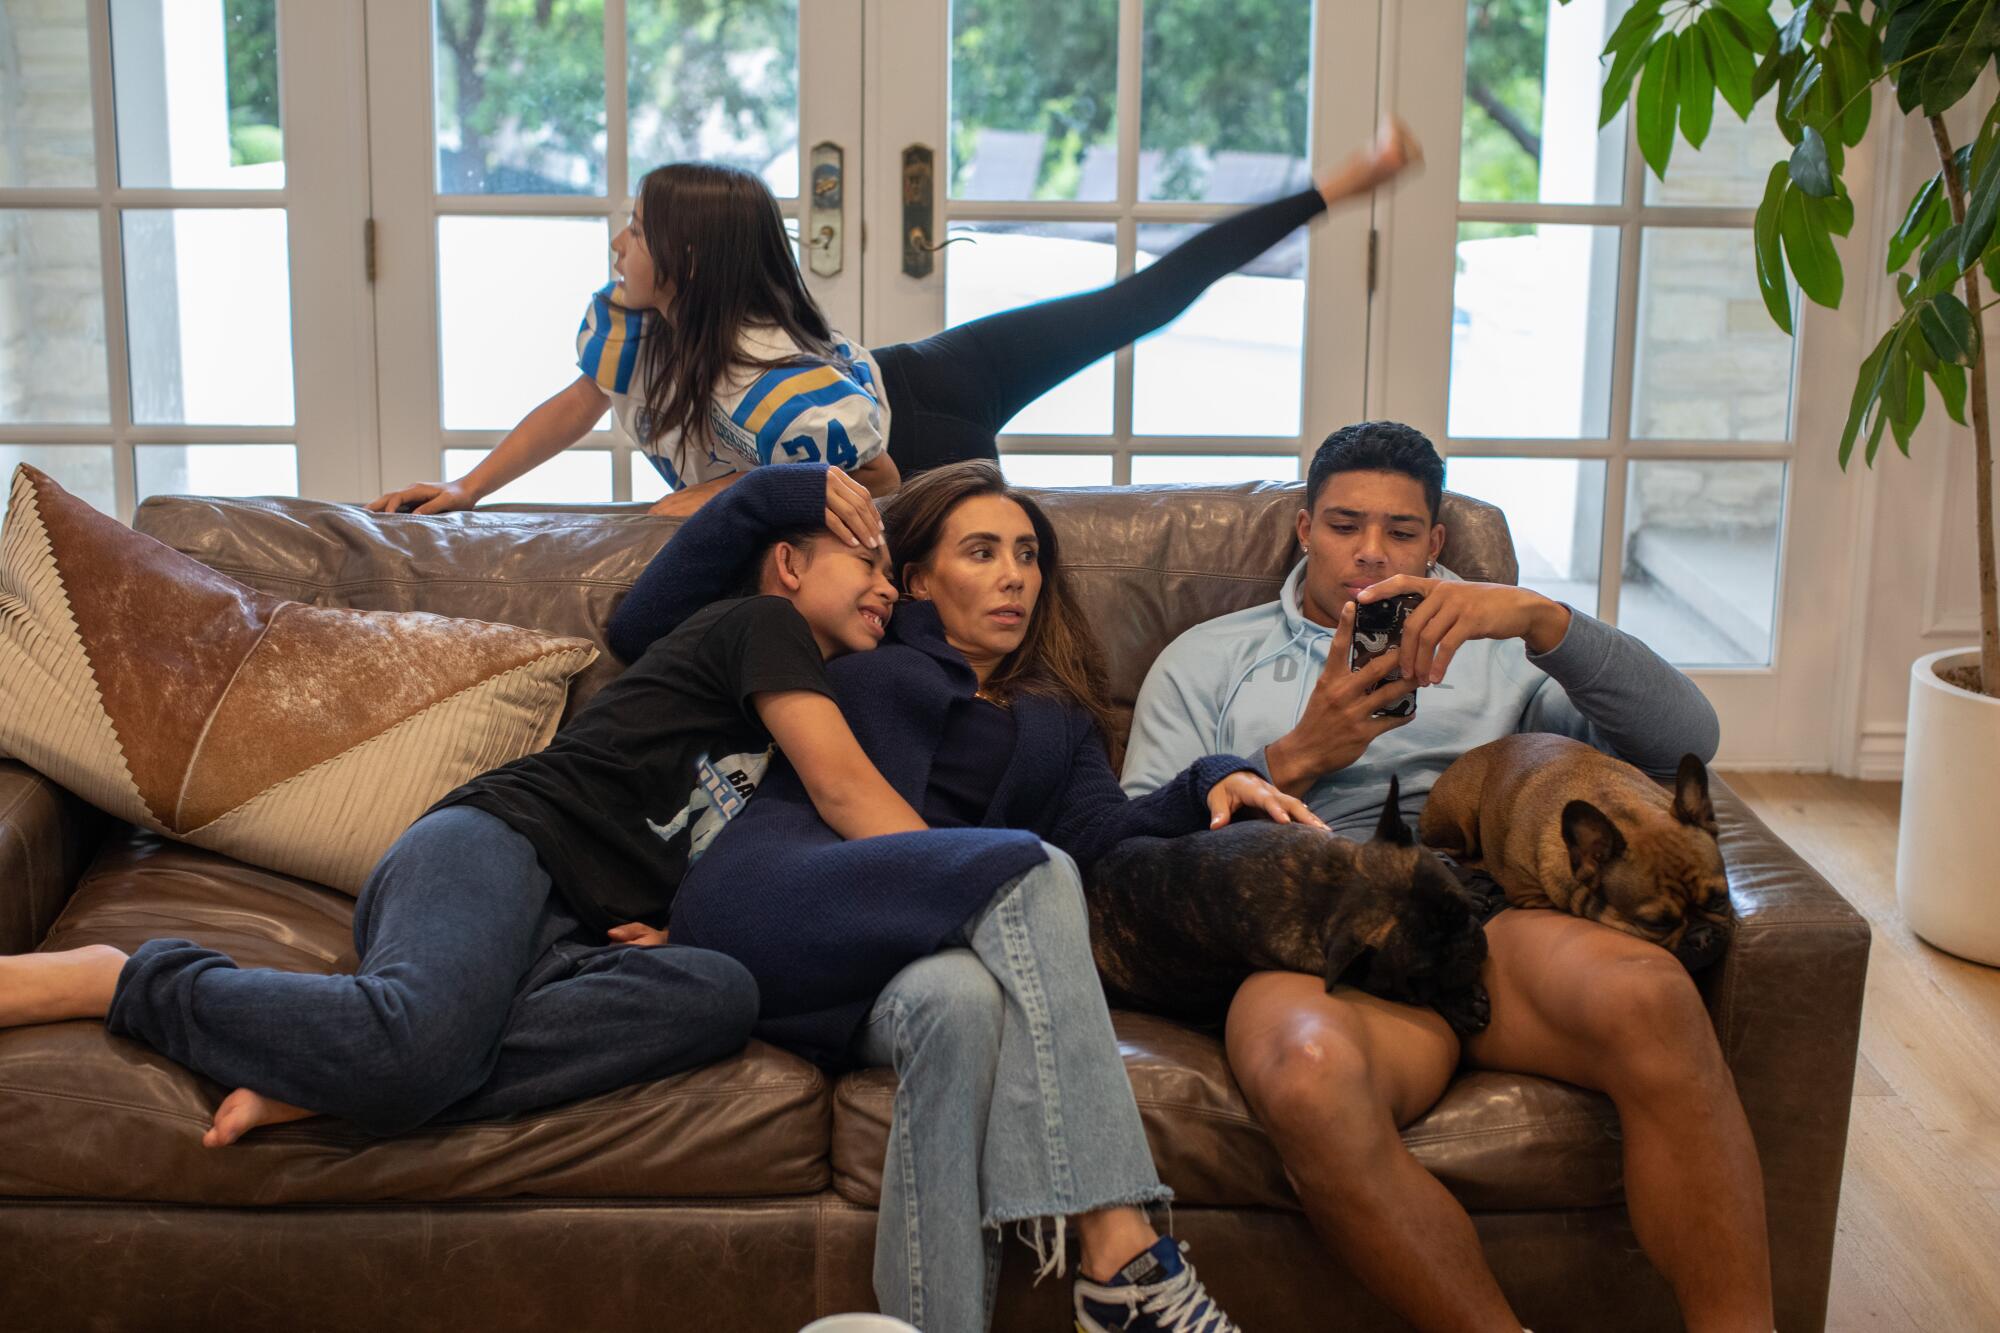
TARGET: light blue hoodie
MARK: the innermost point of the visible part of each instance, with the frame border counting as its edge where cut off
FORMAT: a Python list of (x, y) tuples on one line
[(1236, 683)]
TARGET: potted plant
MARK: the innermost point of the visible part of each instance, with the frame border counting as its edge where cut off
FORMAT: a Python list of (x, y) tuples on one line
[(1818, 69)]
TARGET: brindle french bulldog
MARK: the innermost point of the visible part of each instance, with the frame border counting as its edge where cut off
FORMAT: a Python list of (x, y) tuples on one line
[(1177, 924), (1559, 824)]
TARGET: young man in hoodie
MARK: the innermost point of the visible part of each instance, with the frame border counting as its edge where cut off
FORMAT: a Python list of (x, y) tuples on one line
[(1333, 1077)]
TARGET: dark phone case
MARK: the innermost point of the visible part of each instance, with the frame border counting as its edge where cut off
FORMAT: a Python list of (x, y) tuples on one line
[(1378, 631)]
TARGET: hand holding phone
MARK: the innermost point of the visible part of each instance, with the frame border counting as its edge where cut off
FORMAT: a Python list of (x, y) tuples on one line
[(1378, 632)]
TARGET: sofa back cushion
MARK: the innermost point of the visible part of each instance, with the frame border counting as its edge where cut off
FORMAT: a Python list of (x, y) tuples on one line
[(1149, 561), (288, 735)]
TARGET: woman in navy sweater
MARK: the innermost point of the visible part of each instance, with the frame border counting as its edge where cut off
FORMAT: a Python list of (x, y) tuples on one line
[(959, 954)]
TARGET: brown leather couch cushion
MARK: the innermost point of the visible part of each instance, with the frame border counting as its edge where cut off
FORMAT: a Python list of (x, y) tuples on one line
[(1149, 562), (1497, 1141), (89, 1116)]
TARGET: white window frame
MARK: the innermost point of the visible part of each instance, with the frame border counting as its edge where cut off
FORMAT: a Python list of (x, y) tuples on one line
[(907, 78), (402, 132), (320, 80)]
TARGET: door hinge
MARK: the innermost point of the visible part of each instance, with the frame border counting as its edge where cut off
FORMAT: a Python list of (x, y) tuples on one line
[(1374, 238), (368, 249)]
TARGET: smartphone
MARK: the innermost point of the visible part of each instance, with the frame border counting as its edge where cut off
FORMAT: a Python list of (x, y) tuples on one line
[(1378, 632)]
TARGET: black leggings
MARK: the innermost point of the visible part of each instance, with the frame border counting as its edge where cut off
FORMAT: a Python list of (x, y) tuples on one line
[(950, 394)]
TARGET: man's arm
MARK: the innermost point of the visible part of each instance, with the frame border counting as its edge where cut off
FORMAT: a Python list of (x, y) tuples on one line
[(1609, 689), (847, 789)]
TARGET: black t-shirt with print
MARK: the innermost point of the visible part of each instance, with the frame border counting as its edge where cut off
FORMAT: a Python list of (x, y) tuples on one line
[(646, 773)]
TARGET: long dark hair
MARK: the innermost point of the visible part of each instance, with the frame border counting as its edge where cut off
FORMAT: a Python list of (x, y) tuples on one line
[(1059, 658), (716, 234)]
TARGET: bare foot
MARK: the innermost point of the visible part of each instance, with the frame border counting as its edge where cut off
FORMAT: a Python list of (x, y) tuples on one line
[(51, 987), (1394, 151), (242, 1111)]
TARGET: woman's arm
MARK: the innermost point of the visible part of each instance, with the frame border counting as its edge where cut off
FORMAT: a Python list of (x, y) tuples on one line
[(1093, 814), (554, 426), (847, 789)]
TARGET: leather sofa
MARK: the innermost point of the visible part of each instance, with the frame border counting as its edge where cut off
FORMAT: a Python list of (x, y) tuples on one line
[(740, 1197)]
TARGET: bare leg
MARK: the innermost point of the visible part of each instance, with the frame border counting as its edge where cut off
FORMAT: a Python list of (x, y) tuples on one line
[(53, 987), (242, 1111), (1576, 1001), (1333, 1078), (1110, 1239)]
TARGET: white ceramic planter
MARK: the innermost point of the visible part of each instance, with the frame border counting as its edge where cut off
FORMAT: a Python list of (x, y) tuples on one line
[(1948, 845)]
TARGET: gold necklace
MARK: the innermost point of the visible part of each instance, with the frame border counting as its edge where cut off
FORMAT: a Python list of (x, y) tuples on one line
[(994, 699)]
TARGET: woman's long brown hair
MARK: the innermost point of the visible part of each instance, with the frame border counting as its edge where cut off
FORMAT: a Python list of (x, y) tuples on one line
[(716, 234), (1059, 658)]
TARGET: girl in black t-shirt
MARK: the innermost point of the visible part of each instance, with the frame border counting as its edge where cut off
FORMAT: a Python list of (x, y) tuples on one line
[(506, 887)]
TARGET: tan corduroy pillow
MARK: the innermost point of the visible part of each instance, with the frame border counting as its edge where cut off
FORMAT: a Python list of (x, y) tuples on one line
[(296, 737)]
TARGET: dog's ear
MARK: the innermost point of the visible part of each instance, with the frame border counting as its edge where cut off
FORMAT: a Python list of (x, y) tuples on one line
[(1345, 951), (1691, 803), (1391, 828), (1594, 842)]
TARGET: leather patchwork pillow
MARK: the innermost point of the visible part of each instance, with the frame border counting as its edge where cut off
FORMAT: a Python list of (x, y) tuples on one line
[(300, 738)]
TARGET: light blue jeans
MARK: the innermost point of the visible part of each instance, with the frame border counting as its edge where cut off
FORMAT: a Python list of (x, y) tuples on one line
[(1012, 1101)]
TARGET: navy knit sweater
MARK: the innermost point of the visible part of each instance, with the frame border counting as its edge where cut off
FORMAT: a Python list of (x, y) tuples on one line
[(824, 923)]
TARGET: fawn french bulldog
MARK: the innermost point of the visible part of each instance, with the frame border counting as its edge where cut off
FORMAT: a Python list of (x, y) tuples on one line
[(1559, 824)]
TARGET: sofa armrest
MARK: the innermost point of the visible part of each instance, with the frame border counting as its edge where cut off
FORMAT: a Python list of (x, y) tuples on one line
[(46, 837), (1786, 1000)]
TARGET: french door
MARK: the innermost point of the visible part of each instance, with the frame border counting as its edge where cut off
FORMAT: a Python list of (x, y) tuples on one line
[(183, 190), (507, 138)]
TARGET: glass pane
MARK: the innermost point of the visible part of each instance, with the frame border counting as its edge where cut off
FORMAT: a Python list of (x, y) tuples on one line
[(1246, 331), (1555, 511), (84, 470), (197, 94), (1034, 99), (217, 469), (52, 365), (1225, 99), (45, 117), (1002, 265), (1710, 363), (1213, 469), (647, 483), (511, 292), (208, 313), (1052, 470), (1701, 560), (520, 97), (1732, 166), (574, 476), (1529, 131), (715, 81), (1532, 322)]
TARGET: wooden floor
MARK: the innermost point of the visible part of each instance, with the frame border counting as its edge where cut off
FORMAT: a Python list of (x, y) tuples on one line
[(1919, 1245)]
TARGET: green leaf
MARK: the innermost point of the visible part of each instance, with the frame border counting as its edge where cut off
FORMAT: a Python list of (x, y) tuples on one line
[(1908, 399), (1981, 210), (1625, 66), (1839, 212), (1938, 269), (1918, 222), (1635, 27), (1731, 60), (1658, 101), (1950, 381), (1792, 36), (1771, 283), (1867, 386), (1856, 59), (1809, 249), (1755, 16), (1947, 326), (1909, 49), (1769, 70), (1697, 81), (1811, 71), (1810, 171), (1968, 43)]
